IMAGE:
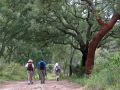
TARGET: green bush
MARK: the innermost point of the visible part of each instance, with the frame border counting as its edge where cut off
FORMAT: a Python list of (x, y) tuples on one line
[(12, 71), (50, 68), (108, 74), (105, 75), (78, 70)]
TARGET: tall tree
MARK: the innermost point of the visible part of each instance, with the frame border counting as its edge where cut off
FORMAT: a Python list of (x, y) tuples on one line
[(76, 18), (105, 28)]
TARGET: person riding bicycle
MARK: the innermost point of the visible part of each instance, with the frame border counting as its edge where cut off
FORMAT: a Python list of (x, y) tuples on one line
[(41, 67), (57, 70), (30, 70)]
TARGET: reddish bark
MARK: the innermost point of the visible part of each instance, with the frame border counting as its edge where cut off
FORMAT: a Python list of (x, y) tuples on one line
[(96, 39)]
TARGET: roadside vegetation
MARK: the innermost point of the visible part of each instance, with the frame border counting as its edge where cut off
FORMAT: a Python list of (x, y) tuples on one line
[(105, 75), (83, 36), (12, 71)]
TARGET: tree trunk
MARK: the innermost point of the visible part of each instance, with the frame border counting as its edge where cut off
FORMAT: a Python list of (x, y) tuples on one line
[(2, 50), (70, 65), (96, 39), (84, 57), (70, 68)]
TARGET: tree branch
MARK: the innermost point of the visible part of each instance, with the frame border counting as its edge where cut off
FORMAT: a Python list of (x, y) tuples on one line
[(66, 32), (100, 21), (75, 47)]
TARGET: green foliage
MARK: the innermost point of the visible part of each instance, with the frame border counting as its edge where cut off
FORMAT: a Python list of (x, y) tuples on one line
[(28, 25), (36, 22), (117, 6), (78, 70), (50, 68), (105, 75), (108, 76), (12, 71)]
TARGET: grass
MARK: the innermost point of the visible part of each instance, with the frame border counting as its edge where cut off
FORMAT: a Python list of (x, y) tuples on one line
[(50, 76), (15, 71), (12, 71), (105, 76)]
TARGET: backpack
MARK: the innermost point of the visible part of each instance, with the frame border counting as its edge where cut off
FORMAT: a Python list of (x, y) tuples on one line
[(57, 68), (30, 68), (42, 65)]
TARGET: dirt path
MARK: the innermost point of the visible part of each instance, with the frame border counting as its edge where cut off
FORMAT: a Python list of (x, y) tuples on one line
[(49, 85)]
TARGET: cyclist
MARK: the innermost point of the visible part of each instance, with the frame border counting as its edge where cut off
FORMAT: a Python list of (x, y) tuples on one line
[(41, 67), (30, 70), (57, 70)]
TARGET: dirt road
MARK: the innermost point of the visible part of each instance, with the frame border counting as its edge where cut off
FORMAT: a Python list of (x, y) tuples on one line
[(49, 85)]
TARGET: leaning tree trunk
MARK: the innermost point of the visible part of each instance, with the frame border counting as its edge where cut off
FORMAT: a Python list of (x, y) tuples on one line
[(96, 39)]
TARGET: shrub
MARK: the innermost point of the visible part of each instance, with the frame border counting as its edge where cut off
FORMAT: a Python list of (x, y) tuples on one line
[(50, 67), (107, 76), (12, 71), (78, 70)]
